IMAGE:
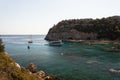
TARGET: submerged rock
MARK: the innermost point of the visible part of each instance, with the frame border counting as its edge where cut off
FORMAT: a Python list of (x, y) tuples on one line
[(114, 48), (92, 61), (114, 70)]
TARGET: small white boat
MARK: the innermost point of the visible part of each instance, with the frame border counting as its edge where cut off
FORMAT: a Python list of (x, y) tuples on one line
[(55, 43), (30, 41)]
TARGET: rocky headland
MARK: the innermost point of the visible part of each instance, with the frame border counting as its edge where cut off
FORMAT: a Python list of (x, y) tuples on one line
[(76, 30)]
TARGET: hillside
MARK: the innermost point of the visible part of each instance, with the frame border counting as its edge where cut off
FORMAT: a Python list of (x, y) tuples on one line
[(10, 70), (86, 29)]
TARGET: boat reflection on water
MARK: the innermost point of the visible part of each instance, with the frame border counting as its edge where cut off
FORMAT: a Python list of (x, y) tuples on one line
[(55, 43)]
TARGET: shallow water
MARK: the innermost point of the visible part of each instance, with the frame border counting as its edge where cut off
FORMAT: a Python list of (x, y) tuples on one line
[(71, 61)]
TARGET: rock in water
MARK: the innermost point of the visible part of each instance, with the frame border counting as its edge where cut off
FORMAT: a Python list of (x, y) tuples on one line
[(31, 67), (41, 74)]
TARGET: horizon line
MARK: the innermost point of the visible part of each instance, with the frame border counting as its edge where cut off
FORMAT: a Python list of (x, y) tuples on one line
[(23, 34)]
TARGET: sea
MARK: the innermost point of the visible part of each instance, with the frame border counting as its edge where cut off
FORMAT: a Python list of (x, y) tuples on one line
[(71, 61)]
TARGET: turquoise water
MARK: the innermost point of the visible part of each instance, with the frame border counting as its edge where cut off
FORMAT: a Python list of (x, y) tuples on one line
[(71, 61)]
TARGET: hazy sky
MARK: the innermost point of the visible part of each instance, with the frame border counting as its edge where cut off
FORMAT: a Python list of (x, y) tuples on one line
[(37, 16)]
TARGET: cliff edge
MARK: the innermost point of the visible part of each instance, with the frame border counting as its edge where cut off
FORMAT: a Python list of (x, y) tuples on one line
[(86, 29)]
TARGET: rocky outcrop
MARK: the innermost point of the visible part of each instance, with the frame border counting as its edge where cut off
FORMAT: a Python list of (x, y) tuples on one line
[(40, 74), (10, 70), (70, 35), (31, 67), (86, 29), (114, 70)]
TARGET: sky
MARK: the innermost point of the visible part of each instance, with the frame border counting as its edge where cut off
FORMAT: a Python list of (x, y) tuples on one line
[(38, 16)]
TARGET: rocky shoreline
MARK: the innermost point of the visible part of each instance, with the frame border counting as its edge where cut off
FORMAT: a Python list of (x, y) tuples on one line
[(94, 41), (10, 70), (40, 74)]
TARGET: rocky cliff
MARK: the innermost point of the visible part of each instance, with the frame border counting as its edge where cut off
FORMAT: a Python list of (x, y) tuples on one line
[(86, 29), (10, 70)]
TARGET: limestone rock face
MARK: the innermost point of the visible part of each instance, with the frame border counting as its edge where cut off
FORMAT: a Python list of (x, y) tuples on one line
[(86, 29), (68, 33)]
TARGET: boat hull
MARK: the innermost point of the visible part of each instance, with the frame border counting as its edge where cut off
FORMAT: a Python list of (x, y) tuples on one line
[(55, 43)]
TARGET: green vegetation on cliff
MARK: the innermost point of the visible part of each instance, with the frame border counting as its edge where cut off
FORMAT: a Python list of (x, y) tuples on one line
[(10, 71), (105, 28), (1, 46)]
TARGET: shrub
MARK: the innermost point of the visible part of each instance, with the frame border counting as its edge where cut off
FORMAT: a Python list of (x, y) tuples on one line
[(1, 46)]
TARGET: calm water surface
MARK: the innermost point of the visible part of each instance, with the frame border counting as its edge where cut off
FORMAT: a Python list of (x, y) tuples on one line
[(71, 61)]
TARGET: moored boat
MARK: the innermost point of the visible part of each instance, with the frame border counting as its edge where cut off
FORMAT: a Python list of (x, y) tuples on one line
[(30, 41), (55, 43)]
